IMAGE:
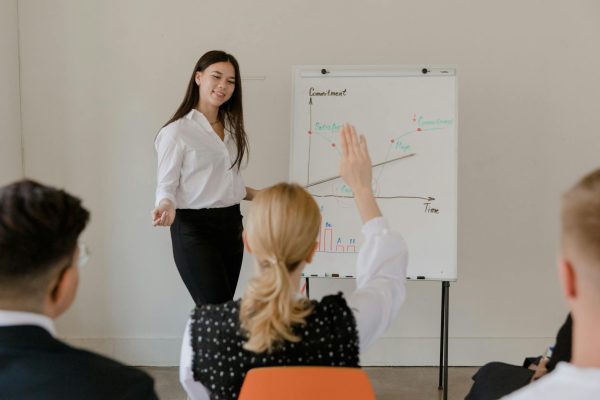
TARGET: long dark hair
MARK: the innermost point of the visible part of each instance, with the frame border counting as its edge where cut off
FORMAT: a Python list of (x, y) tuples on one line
[(230, 112)]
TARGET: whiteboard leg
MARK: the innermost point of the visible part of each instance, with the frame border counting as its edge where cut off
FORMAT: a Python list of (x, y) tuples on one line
[(307, 287), (443, 381), (441, 364)]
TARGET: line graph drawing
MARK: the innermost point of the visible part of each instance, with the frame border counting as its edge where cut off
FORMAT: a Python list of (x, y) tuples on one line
[(409, 121), (325, 180), (397, 145)]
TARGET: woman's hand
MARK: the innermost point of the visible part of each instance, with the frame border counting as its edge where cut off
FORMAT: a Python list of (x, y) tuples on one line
[(164, 214), (355, 169), (250, 193)]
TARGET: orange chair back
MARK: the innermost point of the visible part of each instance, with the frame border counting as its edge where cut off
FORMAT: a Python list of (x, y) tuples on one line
[(302, 383)]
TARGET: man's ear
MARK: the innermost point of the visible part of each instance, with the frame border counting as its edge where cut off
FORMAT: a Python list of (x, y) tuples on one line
[(245, 240), (568, 278), (311, 253), (197, 77), (61, 293)]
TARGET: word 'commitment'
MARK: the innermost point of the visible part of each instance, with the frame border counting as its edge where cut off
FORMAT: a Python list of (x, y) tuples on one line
[(314, 92)]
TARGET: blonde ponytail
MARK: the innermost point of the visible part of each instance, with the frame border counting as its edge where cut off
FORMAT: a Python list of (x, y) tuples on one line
[(282, 228)]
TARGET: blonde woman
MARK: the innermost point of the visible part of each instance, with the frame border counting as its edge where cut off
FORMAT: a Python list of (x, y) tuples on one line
[(273, 324)]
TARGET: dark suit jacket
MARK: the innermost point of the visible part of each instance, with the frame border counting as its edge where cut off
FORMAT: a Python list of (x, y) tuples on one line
[(34, 365)]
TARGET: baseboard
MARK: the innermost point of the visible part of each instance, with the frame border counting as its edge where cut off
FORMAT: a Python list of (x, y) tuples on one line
[(462, 352), (387, 351)]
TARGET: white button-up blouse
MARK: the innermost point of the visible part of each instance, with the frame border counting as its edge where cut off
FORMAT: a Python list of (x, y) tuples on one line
[(194, 165)]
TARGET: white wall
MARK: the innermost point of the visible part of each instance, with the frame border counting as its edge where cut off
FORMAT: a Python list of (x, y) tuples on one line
[(100, 77), (10, 118)]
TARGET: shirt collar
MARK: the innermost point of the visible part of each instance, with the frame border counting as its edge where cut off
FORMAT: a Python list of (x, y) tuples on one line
[(201, 119), (197, 116), (12, 318)]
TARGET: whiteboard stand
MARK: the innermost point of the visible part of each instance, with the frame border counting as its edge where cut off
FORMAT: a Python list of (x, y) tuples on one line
[(445, 319)]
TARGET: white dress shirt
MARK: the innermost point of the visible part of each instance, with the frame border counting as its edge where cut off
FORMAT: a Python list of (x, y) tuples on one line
[(380, 291), (14, 318), (194, 165), (566, 382)]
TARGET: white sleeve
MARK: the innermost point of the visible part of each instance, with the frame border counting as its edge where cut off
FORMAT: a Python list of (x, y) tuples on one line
[(195, 390), (170, 158), (380, 281)]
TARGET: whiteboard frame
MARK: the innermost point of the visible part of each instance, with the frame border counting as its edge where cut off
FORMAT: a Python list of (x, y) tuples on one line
[(337, 71)]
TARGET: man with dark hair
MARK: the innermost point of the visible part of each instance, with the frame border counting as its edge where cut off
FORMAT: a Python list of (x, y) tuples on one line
[(39, 260)]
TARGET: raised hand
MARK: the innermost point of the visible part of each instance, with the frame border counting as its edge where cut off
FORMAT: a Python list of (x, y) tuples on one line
[(355, 169)]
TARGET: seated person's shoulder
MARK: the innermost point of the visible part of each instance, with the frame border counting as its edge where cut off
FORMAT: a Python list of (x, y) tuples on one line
[(565, 382), (225, 310), (224, 317), (94, 359), (333, 300), (55, 370), (334, 306), (99, 373)]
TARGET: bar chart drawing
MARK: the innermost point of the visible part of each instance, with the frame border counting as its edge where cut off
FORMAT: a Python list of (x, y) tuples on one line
[(329, 243)]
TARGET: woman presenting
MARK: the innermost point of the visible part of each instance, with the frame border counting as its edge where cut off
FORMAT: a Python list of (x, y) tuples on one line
[(199, 186)]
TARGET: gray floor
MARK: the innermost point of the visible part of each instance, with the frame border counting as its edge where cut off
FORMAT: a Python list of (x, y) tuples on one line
[(409, 383)]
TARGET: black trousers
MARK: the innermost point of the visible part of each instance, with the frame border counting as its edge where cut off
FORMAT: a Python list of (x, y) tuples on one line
[(208, 251)]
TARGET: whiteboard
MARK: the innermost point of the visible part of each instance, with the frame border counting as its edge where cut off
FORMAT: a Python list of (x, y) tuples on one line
[(409, 117)]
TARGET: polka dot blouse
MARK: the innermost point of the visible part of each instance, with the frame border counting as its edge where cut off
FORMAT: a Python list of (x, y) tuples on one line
[(220, 362)]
